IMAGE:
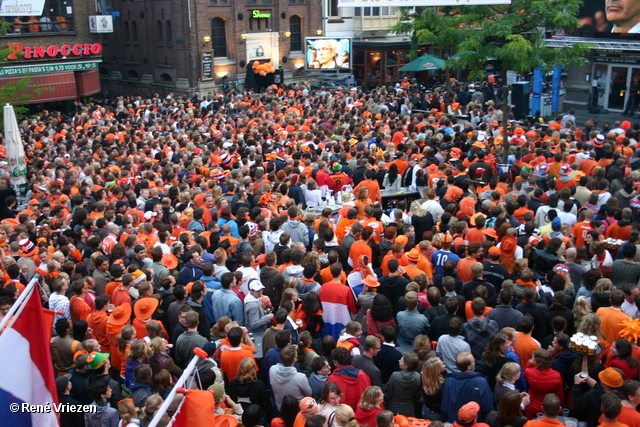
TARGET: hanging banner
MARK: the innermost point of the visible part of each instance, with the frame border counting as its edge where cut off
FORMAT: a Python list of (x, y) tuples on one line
[(413, 3), (22, 8)]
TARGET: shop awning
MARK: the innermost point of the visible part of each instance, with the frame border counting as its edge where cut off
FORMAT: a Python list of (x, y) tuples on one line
[(57, 86), (87, 82)]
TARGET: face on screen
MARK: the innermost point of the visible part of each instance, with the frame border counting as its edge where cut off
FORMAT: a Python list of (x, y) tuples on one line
[(624, 14)]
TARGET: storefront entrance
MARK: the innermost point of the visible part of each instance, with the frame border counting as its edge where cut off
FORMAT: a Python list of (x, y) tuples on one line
[(613, 83)]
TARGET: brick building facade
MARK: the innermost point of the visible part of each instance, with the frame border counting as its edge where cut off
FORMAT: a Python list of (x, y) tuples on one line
[(56, 50), (189, 46)]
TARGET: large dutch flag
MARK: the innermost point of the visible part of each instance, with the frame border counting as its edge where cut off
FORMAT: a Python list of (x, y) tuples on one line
[(26, 370)]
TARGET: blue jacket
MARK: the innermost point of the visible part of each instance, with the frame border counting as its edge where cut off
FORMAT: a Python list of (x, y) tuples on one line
[(232, 224), (463, 387), (189, 273), (410, 325), (212, 284), (227, 303)]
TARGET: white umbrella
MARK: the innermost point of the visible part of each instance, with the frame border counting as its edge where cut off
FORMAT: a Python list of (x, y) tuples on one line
[(15, 151)]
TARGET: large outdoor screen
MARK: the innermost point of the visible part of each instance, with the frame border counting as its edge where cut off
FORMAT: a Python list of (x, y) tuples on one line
[(326, 53), (610, 18)]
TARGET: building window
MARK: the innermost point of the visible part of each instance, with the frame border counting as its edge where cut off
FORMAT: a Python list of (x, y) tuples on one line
[(159, 33), (56, 18), (295, 26), (169, 32), (132, 74), (134, 33), (218, 38), (252, 2), (333, 8), (127, 36), (166, 78), (258, 24), (218, 2)]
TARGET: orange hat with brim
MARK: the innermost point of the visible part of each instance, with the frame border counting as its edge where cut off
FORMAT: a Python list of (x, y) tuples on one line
[(120, 315), (508, 246), (170, 261), (490, 232), (145, 307), (371, 281), (472, 220), (413, 255)]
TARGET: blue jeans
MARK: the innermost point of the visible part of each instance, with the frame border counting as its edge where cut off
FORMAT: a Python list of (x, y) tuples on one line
[(428, 414)]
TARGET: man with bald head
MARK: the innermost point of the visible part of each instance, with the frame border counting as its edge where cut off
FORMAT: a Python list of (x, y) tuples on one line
[(576, 271), (466, 386)]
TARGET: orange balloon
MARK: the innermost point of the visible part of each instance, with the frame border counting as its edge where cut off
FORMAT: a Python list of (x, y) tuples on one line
[(255, 64)]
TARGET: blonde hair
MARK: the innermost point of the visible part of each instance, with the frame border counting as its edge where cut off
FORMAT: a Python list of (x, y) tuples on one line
[(370, 398), (602, 286), (247, 371), (432, 378), (290, 283), (345, 416), (127, 411), (581, 308), (591, 325), (219, 328), (157, 345), (416, 210), (507, 372)]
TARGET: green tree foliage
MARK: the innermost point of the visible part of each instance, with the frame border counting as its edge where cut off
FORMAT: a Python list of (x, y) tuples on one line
[(513, 34)]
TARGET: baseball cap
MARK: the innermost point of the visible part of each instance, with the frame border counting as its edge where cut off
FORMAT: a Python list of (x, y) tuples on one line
[(494, 250), (255, 286), (468, 412)]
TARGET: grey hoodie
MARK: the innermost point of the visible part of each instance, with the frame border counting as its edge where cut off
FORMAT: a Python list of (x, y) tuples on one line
[(287, 380), (105, 416), (305, 288), (299, 231), (294, 271)]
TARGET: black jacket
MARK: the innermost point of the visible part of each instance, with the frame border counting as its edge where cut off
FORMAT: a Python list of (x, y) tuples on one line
[(541, 262), (392, 287), (251, 393), (273, 283)]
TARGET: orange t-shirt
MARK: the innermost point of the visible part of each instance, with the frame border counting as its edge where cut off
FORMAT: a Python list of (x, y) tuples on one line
[(111, 286), (413, 271), (464, 269), (580, 231), (343, 228), (475, 235), (425, 266), (615, 231), (524, 348), (360, 248), (141, 328), (121, 296), (97, 321), (403, 261), (79, 309), (327, 277), (230, 360), (519, 214)]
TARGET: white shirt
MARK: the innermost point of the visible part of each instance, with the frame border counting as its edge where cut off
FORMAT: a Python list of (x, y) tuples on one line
[(629, 309), (248, 273), (434, 208)]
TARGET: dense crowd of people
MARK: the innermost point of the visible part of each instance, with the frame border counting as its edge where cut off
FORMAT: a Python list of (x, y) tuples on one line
[(155, 226)]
